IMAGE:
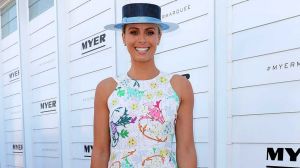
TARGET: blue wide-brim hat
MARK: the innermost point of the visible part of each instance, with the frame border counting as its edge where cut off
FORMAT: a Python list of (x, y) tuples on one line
[(142, 13)]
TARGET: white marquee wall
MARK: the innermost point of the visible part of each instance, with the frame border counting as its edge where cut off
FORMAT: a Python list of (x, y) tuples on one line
[(49, 79)]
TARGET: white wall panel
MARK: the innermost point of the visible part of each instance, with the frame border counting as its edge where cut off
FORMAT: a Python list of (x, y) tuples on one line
[(11, 64), (12, 89), (44, 63), (88, 11), (182, 38), (43, 49), (201, 127), (81, 151), (73, 5), (10, 52), (271, 128), (11, 113), (15, 160), (82, 117), (202, 150), (46, 149), (9, 40), (12, 101), (77, 132), (89, 28), (40, 22), (244, 17), (79, 84), (201, 105), (44, 93), (45, 121), (45, 135), (255, 155), (16, 136), (279, 36), (42, 35), (82, 100), (186, 56), (46, 162), (266, 99), (14, 124), (279, 67)]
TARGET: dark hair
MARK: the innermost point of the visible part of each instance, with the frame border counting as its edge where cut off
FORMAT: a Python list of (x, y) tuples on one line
[(124, 28)]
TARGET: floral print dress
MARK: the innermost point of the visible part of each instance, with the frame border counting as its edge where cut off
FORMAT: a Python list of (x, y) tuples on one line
[(142, 123)]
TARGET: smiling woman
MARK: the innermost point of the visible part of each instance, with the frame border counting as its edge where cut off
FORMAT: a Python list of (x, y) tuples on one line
[(138, 115)]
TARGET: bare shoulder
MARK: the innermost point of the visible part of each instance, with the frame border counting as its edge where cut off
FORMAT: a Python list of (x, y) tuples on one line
[(106, 86), (181, 85)]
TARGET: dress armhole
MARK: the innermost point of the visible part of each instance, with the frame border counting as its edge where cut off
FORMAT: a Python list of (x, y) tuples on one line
[(175, 92)]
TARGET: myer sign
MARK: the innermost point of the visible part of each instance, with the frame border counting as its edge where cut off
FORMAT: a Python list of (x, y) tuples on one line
[(283, 155), (93, 44)]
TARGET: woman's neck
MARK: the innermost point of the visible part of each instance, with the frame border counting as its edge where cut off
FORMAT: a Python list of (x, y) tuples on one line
[(143, 72)]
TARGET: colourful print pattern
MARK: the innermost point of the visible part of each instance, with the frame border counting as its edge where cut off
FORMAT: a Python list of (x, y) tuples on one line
[(142, 123)]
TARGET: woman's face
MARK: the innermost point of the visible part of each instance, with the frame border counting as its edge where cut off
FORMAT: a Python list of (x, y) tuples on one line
[(141, 41)]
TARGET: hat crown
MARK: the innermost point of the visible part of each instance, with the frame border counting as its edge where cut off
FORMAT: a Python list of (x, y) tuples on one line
[(141, 9)]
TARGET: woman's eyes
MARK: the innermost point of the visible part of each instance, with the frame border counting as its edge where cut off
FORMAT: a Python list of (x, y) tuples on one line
[(148, 33)]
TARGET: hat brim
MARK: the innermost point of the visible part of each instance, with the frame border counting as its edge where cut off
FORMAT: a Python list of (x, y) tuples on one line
[(164, 26)]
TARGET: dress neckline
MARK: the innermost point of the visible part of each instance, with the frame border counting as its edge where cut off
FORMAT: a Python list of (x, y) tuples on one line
[(141, 80)]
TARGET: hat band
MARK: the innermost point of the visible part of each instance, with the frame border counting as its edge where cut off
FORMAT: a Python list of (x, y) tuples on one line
[(140, 19)]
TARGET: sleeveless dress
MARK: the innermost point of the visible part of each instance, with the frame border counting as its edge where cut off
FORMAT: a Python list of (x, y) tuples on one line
[(142, 123)]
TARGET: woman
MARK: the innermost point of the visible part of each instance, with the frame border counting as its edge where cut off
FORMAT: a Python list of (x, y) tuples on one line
[(138, 115)]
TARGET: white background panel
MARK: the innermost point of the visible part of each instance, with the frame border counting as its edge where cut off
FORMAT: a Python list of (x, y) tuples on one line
[(44, 78), (10, 150), (238, 1), (46, 135), (12, 101), (94, 62), (46, 149), (89, 81), (244, 17), (13, 88), (82, 100), (16, 136), (203, 151), (80, 163), (37, 109), (92, 26), (11, 64), (255, 155), (72, 5), (255, 71), (15, 112), (88, 10), (10, 52), (15, 160), (79, 152), (45, 121), (11, 75), (43, 93), (43, 49), (184, 58), (186, 9), (186, 34), (198, 79), (77, 132), (201, 126), (13, 124), (271, 128), (46, 162), (82, 117), (42, 20), (200, 105), (266, 99), (44, 63), (9, 40), (267, 39), (77, 51), (42, 35)]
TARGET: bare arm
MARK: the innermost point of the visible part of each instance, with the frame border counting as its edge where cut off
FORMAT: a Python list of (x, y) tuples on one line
[(101, 146), (185, 147)]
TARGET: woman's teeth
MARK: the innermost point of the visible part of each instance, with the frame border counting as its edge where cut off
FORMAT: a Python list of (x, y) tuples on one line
[(142, 49)]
